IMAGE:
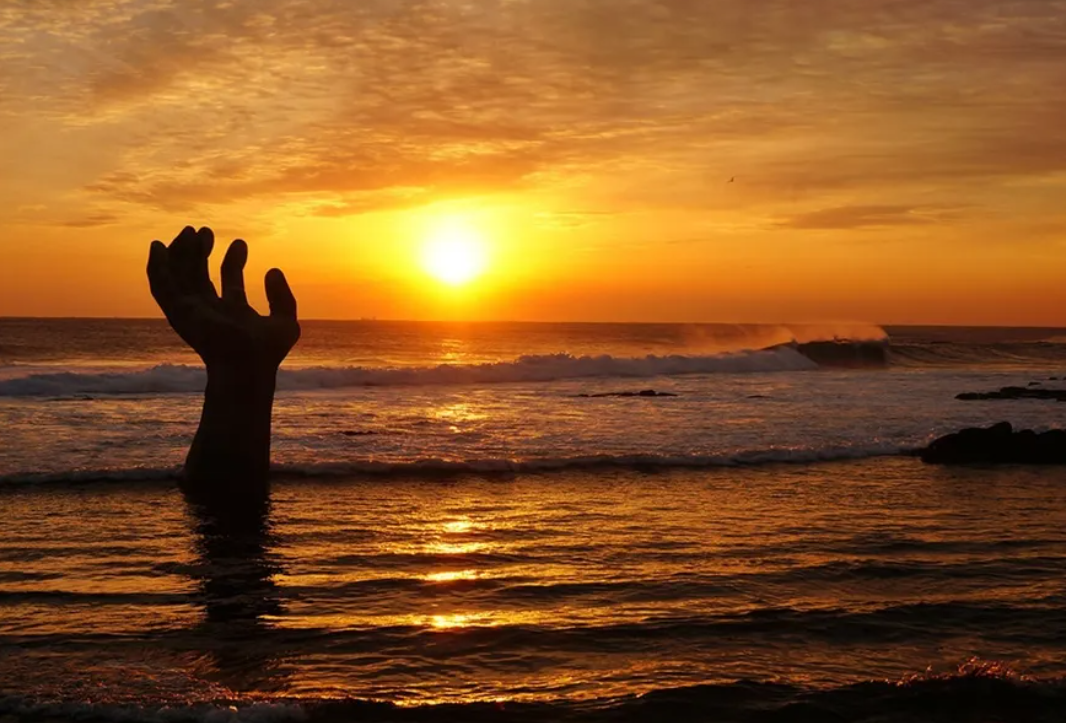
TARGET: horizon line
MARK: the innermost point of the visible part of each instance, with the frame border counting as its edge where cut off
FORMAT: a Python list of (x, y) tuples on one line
[(374, 320)]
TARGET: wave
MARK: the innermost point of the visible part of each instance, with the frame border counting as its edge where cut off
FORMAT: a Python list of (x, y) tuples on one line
[(254, 712), (790, 357), (914, 624), (1040, 354), (433, 467), (976, 691), (172, 379)]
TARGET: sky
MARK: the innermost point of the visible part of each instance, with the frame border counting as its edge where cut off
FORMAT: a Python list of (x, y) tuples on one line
[(884, 161)]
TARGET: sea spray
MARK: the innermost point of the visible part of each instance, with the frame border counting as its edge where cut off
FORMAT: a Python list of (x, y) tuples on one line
[(173, 378)]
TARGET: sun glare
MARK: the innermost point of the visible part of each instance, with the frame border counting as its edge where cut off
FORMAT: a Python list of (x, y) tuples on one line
[(454, 253)]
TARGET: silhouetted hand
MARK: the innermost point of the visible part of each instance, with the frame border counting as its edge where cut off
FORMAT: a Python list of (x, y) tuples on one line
[(229, 460), (225, 331)]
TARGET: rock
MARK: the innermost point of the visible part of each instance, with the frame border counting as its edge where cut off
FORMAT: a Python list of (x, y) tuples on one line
[(365, 433), (1058, 395), (1035, 384), (998, 444)]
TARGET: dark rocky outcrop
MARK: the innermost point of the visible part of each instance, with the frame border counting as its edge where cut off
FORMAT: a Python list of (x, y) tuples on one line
[(998, 444), (1058, 395), (645, 393)]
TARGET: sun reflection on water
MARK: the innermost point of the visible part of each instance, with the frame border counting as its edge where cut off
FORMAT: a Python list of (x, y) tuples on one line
[(548, 588), (456, 548), (459, 412), (445, 534), (458, 526), (451, 622), (453, 351), (452, 576)]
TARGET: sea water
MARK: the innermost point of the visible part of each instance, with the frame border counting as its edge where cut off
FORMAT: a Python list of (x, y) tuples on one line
[(457, 523)]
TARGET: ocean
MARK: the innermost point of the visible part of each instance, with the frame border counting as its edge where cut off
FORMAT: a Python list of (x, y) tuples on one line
[(488, 522)]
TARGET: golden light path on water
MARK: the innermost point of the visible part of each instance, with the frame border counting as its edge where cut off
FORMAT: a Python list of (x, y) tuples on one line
[(638, 552), (538, 587)]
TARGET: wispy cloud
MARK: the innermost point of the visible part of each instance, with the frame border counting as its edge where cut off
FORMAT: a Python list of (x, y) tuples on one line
[(855, 217), (91, 221), (226, 100), (832, 114)]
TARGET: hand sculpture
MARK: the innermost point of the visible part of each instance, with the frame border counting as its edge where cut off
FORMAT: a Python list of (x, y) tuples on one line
[(241, 349), (222, 330)]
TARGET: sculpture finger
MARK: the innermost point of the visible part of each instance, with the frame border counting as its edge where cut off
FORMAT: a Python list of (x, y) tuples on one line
[(184, 254), (160, 280), (202, 276), (279, 295), (233, 273)]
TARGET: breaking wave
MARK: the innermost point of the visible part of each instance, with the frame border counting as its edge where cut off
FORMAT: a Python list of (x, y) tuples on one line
[(431, 467), (172, 379)]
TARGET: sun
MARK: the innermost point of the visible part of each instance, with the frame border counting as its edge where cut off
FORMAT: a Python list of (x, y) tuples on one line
[(454, 252)]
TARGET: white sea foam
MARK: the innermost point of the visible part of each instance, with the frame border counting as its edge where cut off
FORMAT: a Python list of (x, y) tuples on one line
[(174, 379)]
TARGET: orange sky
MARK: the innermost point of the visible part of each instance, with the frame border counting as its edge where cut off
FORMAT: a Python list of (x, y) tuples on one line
[(896, 161)]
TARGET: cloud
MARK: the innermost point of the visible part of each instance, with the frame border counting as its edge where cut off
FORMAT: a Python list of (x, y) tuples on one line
[(855, 217), (571, 219), (357, 104), (91, 221)]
